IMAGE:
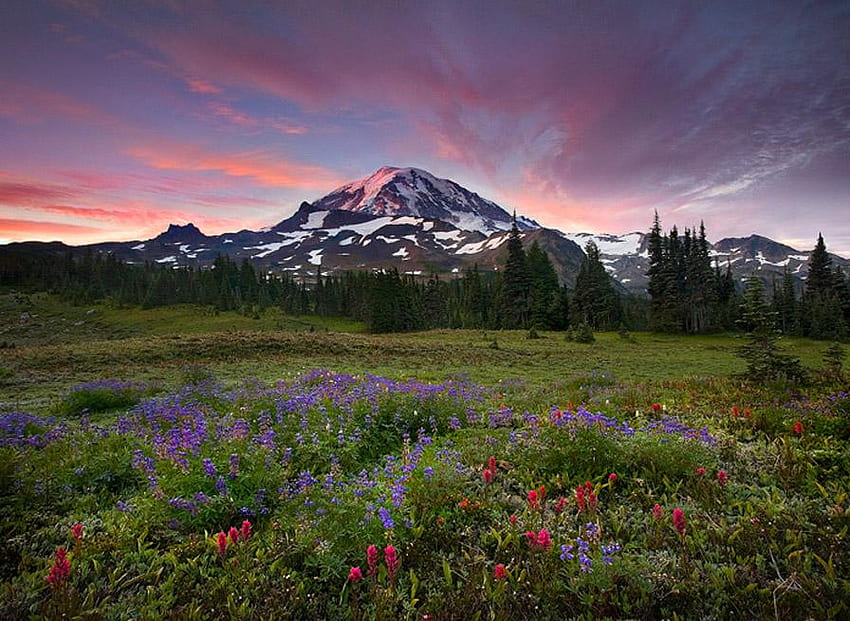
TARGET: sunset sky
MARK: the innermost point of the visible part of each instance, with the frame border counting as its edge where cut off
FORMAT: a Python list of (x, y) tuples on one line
[(118, 118)]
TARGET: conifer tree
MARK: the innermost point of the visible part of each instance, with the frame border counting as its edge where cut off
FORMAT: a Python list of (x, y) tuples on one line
[(516, 283)]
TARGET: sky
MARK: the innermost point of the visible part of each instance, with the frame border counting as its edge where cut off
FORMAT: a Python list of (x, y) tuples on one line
[(118, 118)]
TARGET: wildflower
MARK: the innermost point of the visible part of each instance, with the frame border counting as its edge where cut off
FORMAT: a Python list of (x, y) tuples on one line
[(533, 500), (747, 413), (488, 476), (391, 559), (386, 518), (60, 570), (798, 427), (355, 575), (566, 552), (736, 411), (722, 478), (544, 541), (77, 533), (580, 498), (591, 496), (559, 506), (372, 560), (531, 536), (701, 471), (612, 477), (234, 466), (657, 512), (463, 504), (221, 540), (428, 473), (246, 530), (679, 521), (234, 534), (513, 519), (656, 407), (500, 572), (609, 551), (491, 465)]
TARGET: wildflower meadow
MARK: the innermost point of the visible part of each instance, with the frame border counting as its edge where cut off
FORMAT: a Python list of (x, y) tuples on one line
[(336, 495)]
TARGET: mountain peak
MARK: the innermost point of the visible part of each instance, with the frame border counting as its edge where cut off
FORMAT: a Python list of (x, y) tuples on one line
[(394, 191), (181, 232)]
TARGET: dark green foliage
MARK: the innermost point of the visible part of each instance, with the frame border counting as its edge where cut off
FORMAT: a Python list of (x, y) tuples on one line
[(823, 307), (595, 302), (516, 284), (765, 360), (833, 361), (583, 333), (686, 294)]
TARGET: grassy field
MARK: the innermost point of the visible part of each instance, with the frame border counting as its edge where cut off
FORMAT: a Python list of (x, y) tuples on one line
[(153, 432)]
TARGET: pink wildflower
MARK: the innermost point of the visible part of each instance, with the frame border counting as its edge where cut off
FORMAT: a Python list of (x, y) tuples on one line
[(679, 521), (701, 471), (559, 506), (657, 512), (77, 533), (234, 534), (355, 575), (544, 541), (60, 571), (372, 560), (221, 540), (491, 465), (612, 477), (722, 478), (533, 500), (246, 530), (798, 427), (392, 562), (500, 573), (488, 476)]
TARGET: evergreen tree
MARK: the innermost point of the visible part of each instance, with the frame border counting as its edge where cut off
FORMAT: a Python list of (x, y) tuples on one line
[(545, 292), (595, 302), (765, 360), (516, 284)]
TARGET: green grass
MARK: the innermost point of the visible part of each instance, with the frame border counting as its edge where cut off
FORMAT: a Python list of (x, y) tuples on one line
[(771, 541)]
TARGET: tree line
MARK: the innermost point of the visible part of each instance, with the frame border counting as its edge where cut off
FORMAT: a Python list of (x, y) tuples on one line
[(687, 293)]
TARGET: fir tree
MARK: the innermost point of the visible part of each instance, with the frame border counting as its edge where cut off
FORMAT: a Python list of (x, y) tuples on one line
[(516, 283)]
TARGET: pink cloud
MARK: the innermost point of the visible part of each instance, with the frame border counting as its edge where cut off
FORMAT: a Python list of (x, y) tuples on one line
[(26, 104), (263, 167), (197, 85), (28, 193), (21, 230)]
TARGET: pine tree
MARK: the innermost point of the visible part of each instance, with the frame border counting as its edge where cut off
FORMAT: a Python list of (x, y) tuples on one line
[(765, 360), (545, 291), (516, 284), (595, 302)]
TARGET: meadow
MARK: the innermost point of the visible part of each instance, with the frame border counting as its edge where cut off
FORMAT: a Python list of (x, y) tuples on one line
[(177, 463)]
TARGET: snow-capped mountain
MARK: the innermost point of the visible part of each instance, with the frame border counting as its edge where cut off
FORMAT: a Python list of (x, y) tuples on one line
[(626, 257), (412, 220), (391, 191)]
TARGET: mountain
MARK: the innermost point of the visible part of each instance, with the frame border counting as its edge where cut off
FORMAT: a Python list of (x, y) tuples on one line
[(410, 219), (626, 257), (414, 192)]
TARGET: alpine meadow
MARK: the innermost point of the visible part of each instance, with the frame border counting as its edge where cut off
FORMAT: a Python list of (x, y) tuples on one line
[(431, 311)]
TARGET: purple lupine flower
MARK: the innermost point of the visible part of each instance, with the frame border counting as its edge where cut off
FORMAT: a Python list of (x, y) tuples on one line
[(234, 466), (386, 518)]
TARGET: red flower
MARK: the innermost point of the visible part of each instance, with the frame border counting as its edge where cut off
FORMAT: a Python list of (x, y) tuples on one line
[(580, 498), (488, 476), (747, 413), (392, 561), (372, 560), (612, 477), (491, 465), (60, 571), (590, 495), (679, 521), (513, 519), (541, 491), (234, 534), (559, 506), (701, 471), (544, 541), (735, 410), (500, 573), (533, 500), (656, 407), (657, 512), (221, 540), (355, 575), (77, 532), (721, 477), (246, 530), (798, 427)]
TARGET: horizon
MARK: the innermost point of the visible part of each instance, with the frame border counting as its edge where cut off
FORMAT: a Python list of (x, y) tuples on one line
[(121, 120)]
